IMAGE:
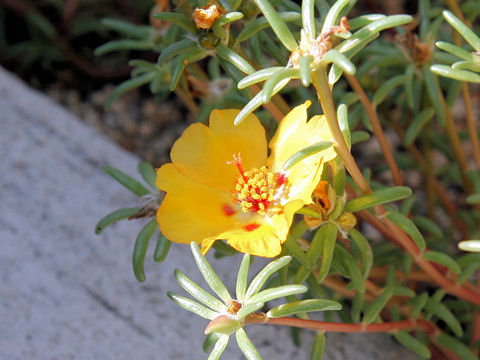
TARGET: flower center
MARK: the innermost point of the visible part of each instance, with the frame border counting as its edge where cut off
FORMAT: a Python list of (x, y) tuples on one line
[(258, 190)]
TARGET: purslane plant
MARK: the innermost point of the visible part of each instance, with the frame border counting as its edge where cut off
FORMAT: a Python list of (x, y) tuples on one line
[(309, 199)]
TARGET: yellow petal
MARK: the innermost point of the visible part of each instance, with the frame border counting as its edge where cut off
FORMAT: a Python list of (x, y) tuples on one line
[(190, 211), (202, 153), (293, 134)]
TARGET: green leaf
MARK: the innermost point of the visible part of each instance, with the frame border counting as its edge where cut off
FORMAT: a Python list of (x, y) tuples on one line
[(426, 224), (378, 197), (306, 152), (460, 75), (357, 305), (127, 28), (352, 268), (192, 306), (258, 76), (333, 14), (417, 125), (197, 292), (473, 199), (127, 86), (148, 173), (291, 245), (340, 60), (458, 348), (124, 44), (303, 306), (248, 309), (209, 275), (417, 303), (218, 26), (468, 271), (359, 136), (182, 60), (342, 116), (455, 50), (467, 65), (386, 87), (264, 274), (178, 19), (219, 347), (174, 49), (242, 278), (161, 248), (277, 292), (328, 247), (235, 59), (325, 235), (443, 259), (377, 305), (126, 180), (244, 343), (444, 313), (277, 24), (209, 341), (413, 344), (113, 217), (277, 77), (308, 18), (363, 20), (462, 29), (140, 248), (365, 251), (318, 347), (261, 23), (305, 71), (408, 227)]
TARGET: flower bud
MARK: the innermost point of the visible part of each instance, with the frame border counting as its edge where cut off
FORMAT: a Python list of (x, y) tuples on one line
[(223, 325)]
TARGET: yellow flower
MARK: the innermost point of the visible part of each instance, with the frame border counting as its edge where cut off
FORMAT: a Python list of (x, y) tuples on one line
[(221, 185)]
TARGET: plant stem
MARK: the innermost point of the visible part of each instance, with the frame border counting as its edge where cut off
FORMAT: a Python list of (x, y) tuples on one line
[(324, 93), (377, 129)]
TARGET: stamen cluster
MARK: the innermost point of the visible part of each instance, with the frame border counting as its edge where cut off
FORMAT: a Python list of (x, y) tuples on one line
[(255, 190)]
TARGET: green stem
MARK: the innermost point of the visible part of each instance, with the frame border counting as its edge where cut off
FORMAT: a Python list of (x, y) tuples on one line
[(324, 93)]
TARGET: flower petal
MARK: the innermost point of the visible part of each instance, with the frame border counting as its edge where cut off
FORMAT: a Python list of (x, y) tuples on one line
[(293, 134), (190, 211), (202, 153)]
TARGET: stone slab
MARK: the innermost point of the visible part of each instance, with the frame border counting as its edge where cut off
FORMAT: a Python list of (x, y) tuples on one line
[(66, 293)]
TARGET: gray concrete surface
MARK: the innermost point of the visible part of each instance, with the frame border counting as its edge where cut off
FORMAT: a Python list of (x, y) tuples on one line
[(66, 293)]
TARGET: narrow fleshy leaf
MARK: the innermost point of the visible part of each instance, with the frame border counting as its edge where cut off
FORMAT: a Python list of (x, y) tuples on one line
[(277, 292), (333, 14), (219, 347), (126, 180), (161, 248), (443, 259), (218, 26), (399, 290), (174, 49), (417, 125), (113, 217), (386, 87), (417, 303), (264, 274), (209, 275), (467, 65), (328, 247), (148, 173), (308, 18), (140, 248), (182, 60), (428, 225), (468, 271), (377, 305), (261, 23), (460, 75), (456, 346), (462, 29), (444, 313), (257, 101), (305, 71), (277, 77), (324, 236), (223, 324), (277, 24), (413, 344), (192, 306), (469, 245), (303, 306), (408, 226), (359, 136), (128, 85), (352, 268), (127, 28), (455, 50), (197, 292), (318, 347), (209, 341), (363, 20), (235, 59), (340, 60), (248, 309), (473, 199), (258, 76), (242, 277), (378, 197), (366, 252), (291, 244), (342, 116), (306, 152), (244, 343), (178, 19), (124, 44), (434, 91), (357, 305)]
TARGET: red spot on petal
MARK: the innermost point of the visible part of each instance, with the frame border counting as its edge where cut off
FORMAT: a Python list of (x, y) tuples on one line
[(251, 227), (228, 210), (281, 179)]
